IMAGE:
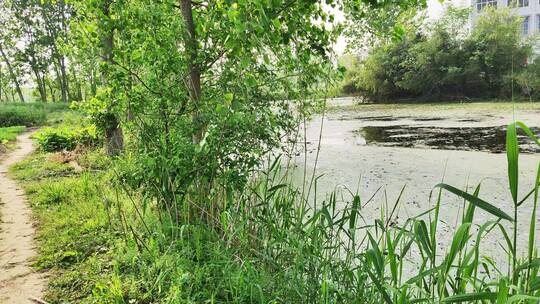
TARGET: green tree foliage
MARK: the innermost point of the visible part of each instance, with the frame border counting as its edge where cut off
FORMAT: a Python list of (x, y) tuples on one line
[(33, 36), (204, 98), (529, 80), (10, 78), (204, 89), (447, 62)]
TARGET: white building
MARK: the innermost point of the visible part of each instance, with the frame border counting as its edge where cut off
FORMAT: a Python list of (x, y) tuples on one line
[(528, 9)]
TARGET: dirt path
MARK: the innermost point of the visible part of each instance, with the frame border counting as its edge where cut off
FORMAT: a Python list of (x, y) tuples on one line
[(19, 283)]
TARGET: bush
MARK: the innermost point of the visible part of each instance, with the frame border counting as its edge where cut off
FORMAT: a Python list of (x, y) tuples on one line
[(529, 79), (65, 138), (10, 133), (13, 114), (447, 62), (28, 114)]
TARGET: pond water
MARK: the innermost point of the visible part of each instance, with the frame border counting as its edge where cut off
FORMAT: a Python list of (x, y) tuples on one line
[(379, 150), (488, 139)]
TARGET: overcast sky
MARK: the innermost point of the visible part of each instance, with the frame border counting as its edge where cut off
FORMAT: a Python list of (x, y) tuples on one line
[(435, 7)]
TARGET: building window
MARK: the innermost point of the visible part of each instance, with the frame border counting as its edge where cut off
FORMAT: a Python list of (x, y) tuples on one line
[(480, 4), (525, 28), (518, 3)]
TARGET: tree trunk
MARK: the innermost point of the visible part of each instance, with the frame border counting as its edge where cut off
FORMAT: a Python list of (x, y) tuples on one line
[(93, 82), (194, 80), (59, 81), (1, 83), (114, 138), (63, 78), (41, 85), (51, 89), (12, 74), (78, 91)]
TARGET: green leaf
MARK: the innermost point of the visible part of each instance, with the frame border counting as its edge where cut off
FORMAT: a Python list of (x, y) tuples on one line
[(502, 293), (528, 132), (376, 256), (535, 284), (512, 155), (458, 242), (229, 98), (422, 275), (520, 298), (527, 265), (379, 287), (420, 230), (478, 202), (354, 213), (471, 297)]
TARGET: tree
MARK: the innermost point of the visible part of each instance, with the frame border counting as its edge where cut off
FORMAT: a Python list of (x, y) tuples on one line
[(204, 88), (114, 139), (7, 34), (33, 48), (446, 61), (55, 16), (496, 50)]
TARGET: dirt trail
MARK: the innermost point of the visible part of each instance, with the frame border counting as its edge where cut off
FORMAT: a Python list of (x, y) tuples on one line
[(19, 283)]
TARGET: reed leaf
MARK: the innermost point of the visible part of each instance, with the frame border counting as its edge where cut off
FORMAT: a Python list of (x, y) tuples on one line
[(379, 287), (478, 202), (420, 230), (528, 132), (512, 155), (471, 297)]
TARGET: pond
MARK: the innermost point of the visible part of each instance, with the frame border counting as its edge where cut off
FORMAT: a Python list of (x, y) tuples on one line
[(378, 150), (487, 139)]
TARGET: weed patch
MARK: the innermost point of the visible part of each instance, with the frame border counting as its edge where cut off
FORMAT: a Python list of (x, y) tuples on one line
[(10, 133), (106, 243), (66, 138)]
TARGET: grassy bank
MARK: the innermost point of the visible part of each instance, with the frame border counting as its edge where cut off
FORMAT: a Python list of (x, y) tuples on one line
[(74, 236), (9, 134), (104, 242), (15, 118), (464, 106), (30, 114)]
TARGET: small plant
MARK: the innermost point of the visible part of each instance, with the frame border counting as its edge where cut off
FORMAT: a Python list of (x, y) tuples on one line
[(269, 244), (10, 133), (64, 138), (20, 114)]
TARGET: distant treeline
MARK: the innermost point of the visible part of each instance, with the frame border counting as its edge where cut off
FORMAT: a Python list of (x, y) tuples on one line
[(35, 52), (449, 61)]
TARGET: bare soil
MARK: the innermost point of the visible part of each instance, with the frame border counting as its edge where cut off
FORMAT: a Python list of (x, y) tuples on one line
[(19, 282)]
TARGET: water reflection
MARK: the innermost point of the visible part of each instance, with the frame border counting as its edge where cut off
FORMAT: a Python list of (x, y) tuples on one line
[(487, 139)]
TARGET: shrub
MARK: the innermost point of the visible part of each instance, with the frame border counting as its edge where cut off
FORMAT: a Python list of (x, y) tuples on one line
[(446, 62), (65, 138), (28, 114), (529, 79), (21, 115), (10, 133)]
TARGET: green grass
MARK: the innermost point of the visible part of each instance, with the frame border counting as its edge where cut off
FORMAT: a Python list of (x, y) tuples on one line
[(96, 256), (29, 114), (9, 134), (104, 242), (496, 105), (73, 230)]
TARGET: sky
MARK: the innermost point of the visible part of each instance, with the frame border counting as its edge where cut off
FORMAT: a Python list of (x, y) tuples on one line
[(435, 7), (434, 10)]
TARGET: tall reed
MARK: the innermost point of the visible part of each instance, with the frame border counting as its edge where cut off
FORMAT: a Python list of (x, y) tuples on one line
[(292, 250)]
